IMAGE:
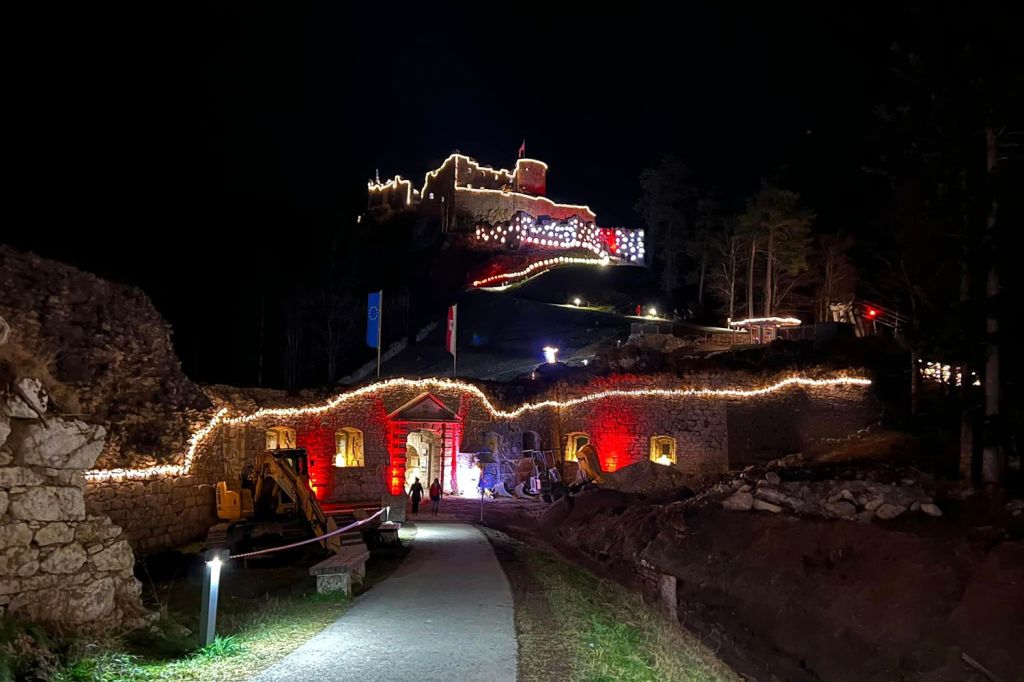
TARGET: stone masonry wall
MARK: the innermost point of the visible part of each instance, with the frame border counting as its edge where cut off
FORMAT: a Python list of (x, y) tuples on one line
[(712, 436), (797, 421)]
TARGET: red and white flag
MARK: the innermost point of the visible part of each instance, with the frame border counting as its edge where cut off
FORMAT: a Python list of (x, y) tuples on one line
[(522, 150), (449, 335)]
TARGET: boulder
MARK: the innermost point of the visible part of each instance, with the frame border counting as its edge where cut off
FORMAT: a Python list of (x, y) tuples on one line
[(841, 508), (85, 604), (772, 478), (48, 503), (5, 428), (3, 502), (740, 501), (54, 534), (872, 505), (889, 511), (117, 557), (775, 496), (14, 405), (65, 559), (931, 510), (767, 506), (57, 443), (11, 477)]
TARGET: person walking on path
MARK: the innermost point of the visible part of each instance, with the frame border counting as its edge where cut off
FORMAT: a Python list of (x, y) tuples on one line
[(435, 496), (416, 492)]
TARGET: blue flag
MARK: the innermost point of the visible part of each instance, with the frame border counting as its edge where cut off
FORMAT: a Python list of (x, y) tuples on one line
[(373, 320)]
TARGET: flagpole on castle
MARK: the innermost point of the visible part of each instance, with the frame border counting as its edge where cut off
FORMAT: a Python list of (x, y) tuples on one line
[(380, 318)]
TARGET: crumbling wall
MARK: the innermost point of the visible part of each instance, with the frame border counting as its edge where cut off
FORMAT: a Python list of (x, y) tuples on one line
[(58, 563), (104, 352)]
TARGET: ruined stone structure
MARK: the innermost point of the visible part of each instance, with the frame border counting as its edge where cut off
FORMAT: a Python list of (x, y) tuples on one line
[(58, 563), (103, 351)]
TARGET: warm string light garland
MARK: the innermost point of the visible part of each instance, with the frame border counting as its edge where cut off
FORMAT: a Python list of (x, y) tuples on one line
[(758, 320), (579, 208), (220, 419), (394, 183), (507, 177), (533, 267)]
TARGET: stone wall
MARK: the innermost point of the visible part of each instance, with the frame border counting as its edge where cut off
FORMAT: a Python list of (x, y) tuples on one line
[(797, 421), (58, 563), (156, 514)]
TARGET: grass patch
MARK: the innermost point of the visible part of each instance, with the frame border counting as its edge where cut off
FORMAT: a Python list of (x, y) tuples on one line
[(594, 630), (264, 614), (269, 634)]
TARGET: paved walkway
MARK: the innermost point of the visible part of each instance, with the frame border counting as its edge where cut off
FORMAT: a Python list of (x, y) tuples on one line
[(445, 614)]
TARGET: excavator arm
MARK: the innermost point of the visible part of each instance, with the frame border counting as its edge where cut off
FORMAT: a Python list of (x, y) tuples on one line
[(295, 487)]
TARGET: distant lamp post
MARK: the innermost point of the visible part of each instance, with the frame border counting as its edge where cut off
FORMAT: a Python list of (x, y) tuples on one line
[(577, 301), (550, 354), (215, 558), (652, 312), (483, 458)]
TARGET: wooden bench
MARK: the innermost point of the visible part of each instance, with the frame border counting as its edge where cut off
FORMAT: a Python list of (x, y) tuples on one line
[(342, 570)]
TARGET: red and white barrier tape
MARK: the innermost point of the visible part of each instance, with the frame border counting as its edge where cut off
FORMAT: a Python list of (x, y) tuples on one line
[(306, 542)]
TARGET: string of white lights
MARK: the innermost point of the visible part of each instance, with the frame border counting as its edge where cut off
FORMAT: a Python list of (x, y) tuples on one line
[(220, 419), (757, 320), (533, 267)]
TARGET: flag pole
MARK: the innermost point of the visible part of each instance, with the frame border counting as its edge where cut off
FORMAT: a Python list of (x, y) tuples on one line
[(455, 338), (380, 319)]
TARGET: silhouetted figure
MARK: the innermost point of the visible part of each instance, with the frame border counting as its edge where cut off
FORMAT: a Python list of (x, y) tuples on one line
[(416, 492)]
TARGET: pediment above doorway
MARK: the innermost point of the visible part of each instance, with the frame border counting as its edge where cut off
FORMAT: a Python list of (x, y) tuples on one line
[(424, 408)]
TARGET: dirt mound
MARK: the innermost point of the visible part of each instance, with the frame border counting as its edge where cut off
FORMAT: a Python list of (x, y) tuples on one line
[(646, 477), (813, 599)]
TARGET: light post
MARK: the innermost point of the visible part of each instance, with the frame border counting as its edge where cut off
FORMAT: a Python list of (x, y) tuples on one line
[(483, 458), (215, 558)]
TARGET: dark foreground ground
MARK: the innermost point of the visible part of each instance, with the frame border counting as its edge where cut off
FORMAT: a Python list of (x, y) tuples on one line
[(784, 597)]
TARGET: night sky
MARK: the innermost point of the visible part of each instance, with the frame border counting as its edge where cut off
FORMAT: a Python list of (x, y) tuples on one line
[(208, 151)]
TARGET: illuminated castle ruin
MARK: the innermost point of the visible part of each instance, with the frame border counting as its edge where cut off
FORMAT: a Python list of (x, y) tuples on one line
[(508, 211)]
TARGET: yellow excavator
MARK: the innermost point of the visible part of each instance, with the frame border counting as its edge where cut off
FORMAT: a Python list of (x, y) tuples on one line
[(274, 505)]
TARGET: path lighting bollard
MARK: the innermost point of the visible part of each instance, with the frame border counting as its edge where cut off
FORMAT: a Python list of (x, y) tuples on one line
[(483, 458), (215, 558)]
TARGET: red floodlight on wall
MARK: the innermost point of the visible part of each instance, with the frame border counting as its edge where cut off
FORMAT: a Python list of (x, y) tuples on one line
[(872, 313)]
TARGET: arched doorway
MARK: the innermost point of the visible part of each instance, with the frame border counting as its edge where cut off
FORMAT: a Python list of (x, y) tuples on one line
[(422, 457)]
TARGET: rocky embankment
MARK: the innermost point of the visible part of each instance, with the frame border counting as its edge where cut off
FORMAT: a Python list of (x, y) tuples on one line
[(801, 572), (58, 564), (104, 353)]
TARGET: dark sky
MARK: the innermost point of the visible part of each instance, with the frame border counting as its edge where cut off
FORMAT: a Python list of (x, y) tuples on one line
[(205, 151)]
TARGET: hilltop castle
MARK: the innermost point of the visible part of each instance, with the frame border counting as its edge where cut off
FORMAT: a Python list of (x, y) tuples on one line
[(507, 210)]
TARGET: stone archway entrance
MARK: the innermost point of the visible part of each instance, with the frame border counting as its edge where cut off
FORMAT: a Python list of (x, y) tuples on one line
[(422, 457), (430, 431)]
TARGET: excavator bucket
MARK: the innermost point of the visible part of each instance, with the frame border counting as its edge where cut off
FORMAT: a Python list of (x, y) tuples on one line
[(590, 465)]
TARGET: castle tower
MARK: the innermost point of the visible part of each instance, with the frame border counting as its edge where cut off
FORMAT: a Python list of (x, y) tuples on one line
[(531, 177)]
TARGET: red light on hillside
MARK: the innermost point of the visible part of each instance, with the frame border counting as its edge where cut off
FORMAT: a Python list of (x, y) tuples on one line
[(872, 312)]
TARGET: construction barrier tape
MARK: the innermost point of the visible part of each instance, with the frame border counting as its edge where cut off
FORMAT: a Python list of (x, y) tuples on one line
[(306, 542)]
